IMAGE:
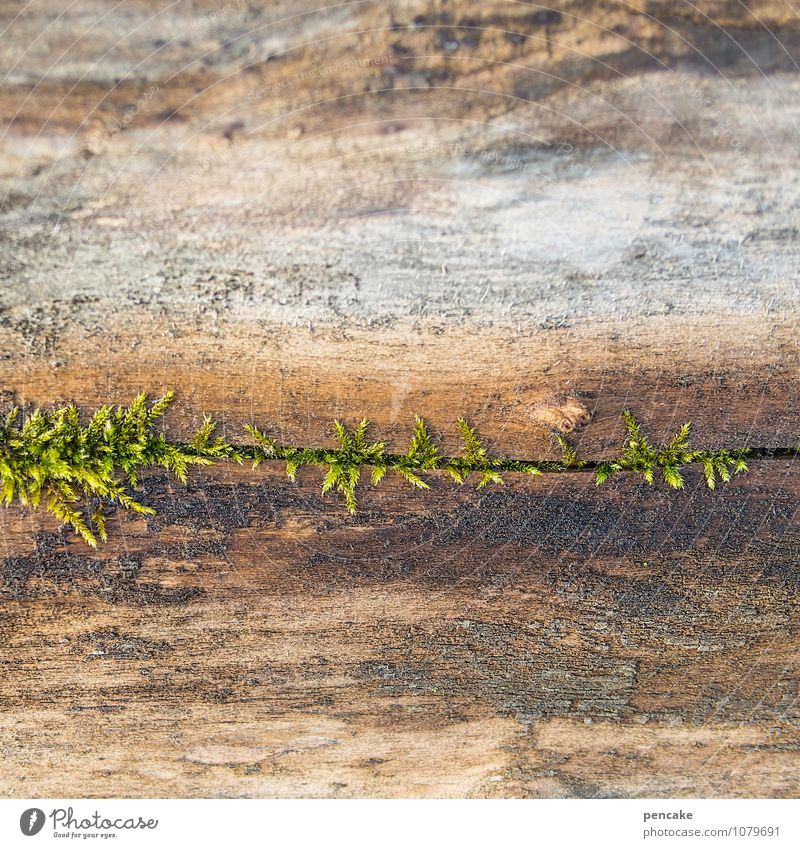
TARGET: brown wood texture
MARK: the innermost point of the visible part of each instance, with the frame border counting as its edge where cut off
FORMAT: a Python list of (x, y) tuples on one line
[(528, 216)]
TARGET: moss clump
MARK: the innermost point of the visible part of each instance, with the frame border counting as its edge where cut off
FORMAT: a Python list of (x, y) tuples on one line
[(641, 457), (75, 467)]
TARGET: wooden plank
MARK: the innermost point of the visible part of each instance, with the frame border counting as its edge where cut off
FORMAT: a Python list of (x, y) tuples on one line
[(540, 640), (290, 215)]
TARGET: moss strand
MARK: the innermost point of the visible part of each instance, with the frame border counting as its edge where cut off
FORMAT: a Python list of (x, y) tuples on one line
[(74, 468)]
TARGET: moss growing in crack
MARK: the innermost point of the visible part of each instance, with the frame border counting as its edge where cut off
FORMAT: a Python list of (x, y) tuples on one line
[(76, 468), (639, 456), (569, 456), (345, 462)]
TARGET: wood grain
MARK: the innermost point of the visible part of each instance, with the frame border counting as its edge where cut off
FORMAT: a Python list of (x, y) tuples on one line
[(383, 210), (544, 639)]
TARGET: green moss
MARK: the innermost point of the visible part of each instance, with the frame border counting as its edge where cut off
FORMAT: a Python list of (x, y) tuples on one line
[(74, 467), (641, 457)]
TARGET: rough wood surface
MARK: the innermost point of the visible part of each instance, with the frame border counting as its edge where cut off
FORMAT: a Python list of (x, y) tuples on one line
[(524, 215)]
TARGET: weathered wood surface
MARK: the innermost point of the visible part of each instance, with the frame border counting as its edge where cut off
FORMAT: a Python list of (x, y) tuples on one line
[(491, 209)]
